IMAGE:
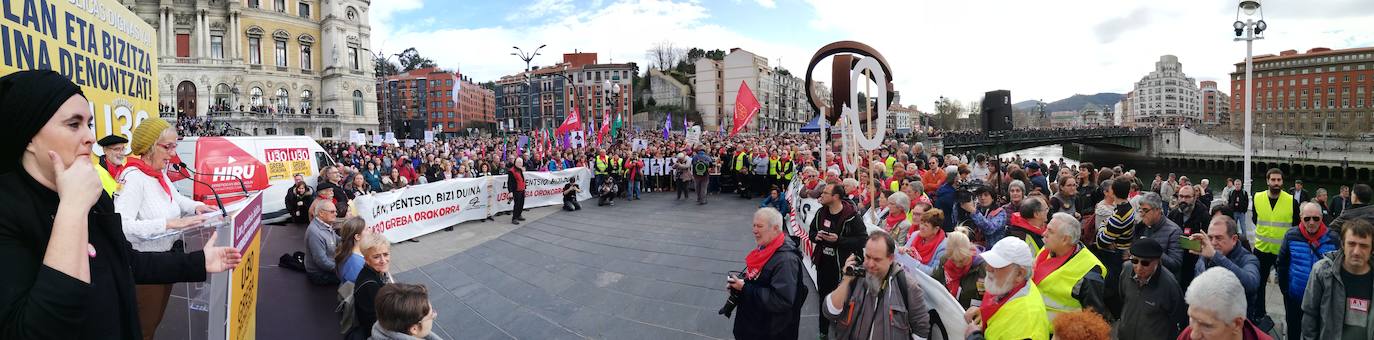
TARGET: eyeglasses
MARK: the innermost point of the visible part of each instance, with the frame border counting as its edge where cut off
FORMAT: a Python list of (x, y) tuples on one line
[(1311, 218), (1185, 196), (1146, 210), (1142, 262)]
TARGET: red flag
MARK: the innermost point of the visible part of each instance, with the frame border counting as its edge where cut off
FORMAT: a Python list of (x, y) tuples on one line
[(572, 122), (605, 127), (746, 106)]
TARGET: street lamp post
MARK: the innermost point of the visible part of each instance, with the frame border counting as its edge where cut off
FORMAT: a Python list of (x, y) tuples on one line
[(1249, 30), (529, 77), (1264, 137), (612, 96)]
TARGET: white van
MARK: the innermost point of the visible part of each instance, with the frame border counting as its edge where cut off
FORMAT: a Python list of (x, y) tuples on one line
[(267, 164)]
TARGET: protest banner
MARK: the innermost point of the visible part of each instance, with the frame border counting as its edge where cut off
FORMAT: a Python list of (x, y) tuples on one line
[(421, 209), (542, 188), (100, 45)]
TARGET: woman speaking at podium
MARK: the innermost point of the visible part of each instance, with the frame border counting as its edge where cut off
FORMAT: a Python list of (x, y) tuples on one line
[(150, 206), (69, 271)]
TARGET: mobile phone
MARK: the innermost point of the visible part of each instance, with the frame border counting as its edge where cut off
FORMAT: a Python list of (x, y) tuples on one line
[(734, 274), (1189, 244)]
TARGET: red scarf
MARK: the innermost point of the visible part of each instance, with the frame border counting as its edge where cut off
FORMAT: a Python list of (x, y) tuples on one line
[(893, 219), (991, 303), (955, 273), (157, 174), (1021, 222), (925, 249), (753, 263), (1045, 264), (519, 179), (114, 169), (1316, 237)]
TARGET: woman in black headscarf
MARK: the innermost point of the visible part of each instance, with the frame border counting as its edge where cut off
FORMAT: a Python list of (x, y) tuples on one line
[(68, 271)]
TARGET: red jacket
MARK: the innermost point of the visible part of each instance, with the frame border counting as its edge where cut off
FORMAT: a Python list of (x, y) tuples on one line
[(633, 169), (405, 170)]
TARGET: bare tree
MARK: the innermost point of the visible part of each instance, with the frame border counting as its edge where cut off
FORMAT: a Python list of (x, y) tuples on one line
[(664, 55)]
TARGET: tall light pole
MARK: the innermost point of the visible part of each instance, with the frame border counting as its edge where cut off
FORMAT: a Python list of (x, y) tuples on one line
[(529, 76), (1249, 30), (612, 97)]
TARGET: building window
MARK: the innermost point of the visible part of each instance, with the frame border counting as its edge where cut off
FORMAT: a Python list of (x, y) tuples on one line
[(306, 101), (283, 101), (217, 46), (357, 103), (281, 53), (281, 6), (303, 10), (300, 131), (305, 57), (183, 45), (254, 50), (256, 97), (353, 58), (255, 3), (327, 132), (271, 131)]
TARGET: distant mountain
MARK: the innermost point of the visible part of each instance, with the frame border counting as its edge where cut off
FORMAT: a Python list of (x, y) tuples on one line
[(1074, 103)]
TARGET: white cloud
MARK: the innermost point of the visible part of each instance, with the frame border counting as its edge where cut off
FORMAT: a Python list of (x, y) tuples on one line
[(619, 32), (540, 9), (767, 3), (1038, 50)]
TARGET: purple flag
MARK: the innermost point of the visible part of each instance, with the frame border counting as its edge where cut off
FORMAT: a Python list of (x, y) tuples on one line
[(667, 124)]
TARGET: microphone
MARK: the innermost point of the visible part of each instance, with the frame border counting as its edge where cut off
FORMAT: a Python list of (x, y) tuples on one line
[(240, 179), (218, 201)]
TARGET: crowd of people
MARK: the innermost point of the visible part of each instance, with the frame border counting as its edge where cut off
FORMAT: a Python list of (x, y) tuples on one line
[(1023, 243), (964, 136), (203, 127)]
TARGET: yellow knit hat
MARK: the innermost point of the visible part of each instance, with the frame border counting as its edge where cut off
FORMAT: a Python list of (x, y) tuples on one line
[(146, 134)]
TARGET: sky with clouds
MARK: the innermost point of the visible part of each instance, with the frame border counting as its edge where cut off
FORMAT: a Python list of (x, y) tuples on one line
[(1037, 49)]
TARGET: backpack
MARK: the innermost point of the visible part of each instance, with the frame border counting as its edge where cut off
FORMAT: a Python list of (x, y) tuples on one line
[(700, 167), (347, 318)]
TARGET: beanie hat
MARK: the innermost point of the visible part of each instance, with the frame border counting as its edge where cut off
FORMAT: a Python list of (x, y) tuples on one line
[(29, 99), (147, 134)]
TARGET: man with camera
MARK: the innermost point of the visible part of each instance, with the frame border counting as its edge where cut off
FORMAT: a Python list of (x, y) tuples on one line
[(769, 293), (876, 299), (838, 232)]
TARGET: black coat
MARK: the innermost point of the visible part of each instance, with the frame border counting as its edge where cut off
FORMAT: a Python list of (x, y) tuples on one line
[(39, 302), (770, 305), (510, 178), (299, 205), (364, 301)]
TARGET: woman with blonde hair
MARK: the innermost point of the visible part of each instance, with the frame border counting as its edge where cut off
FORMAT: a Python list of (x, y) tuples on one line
[(961, 268), (375, 274)]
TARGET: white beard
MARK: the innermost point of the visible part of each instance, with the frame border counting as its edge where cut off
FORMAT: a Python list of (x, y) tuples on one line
[(995, 287)]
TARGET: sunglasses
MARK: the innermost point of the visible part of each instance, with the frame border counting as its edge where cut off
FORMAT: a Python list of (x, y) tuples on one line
[(1312, 219), (1142, 262)]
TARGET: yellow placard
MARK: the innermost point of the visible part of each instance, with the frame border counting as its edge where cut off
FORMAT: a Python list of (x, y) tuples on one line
[(244, 290), (99, 44)]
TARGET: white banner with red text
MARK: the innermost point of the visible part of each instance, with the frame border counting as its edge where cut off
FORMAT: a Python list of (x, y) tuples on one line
[(421, 209)]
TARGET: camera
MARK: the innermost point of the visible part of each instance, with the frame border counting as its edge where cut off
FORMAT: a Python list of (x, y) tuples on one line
[(968, 192), (857, 270), (730, 302)]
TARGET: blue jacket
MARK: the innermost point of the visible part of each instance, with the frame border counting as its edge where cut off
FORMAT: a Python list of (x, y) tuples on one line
[(944, 200), (780, 203), (1296, 258), (1246, 267)]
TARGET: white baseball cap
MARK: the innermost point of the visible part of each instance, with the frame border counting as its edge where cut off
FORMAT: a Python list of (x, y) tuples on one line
[(1008, 251)]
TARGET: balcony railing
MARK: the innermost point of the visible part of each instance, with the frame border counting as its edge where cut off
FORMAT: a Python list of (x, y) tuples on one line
[(270, 117)]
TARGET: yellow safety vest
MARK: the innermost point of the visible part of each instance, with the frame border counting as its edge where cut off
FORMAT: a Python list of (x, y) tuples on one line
[(888, 162), (1274, 221), (1059, 284), (1021, 318), (106, 180), (739, 161), (773, 167), (785, 170), (601, 165)]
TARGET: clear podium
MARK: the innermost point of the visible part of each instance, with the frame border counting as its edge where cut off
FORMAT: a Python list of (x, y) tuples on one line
[(224, 306)]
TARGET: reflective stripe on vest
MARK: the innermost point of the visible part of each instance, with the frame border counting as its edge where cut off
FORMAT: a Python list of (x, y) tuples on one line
[(1021, 318), (1058, 286), (600, 165), (739, 161), (1272, 221), (1030, 241)]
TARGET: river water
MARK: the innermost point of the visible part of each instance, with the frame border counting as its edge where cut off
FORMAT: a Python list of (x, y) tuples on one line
[(1147, 168)]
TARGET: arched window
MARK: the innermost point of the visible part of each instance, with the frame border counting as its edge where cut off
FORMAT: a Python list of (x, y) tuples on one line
[(222, 94), (283, 101), (306, 102), (357, 103), (256, 95)]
